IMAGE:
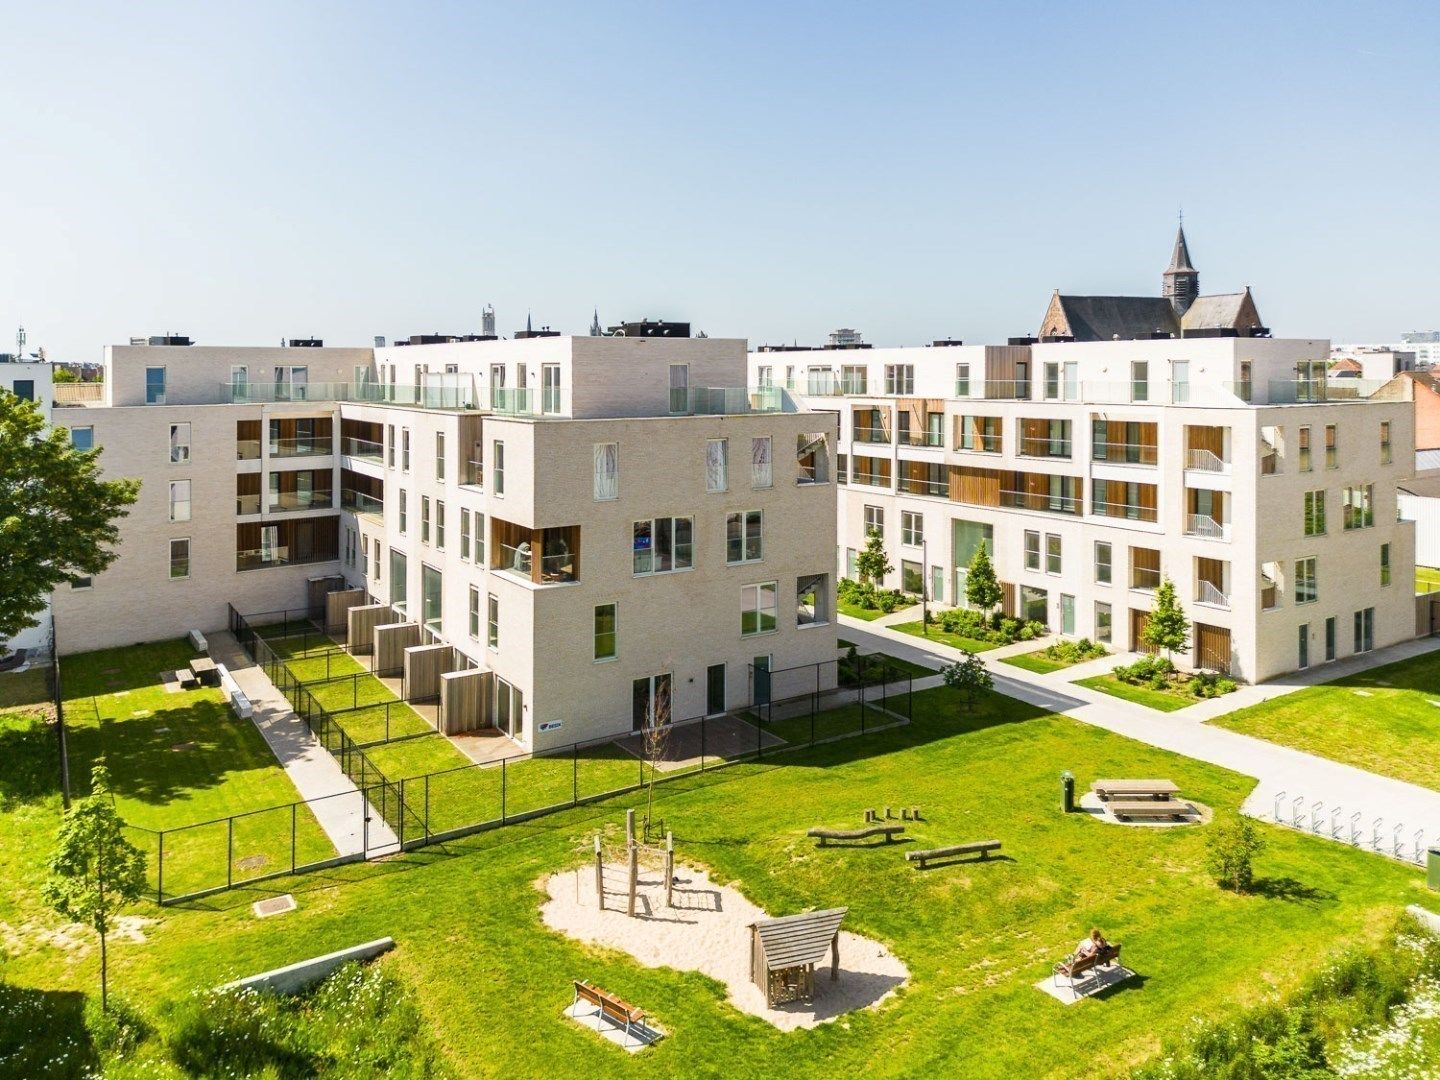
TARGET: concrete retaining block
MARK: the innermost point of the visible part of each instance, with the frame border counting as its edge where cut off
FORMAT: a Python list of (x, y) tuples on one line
[(305, 974)]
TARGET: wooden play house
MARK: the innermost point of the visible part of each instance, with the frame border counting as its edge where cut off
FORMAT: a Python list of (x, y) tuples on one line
[(784, 952)]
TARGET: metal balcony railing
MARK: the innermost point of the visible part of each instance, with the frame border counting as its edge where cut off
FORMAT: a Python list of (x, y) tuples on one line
[(1127, 511), (1206, 526), (366, 449), (315, 447), (1045, 448), (938, 489), (1206, 461), (1208, 593), (1043, 501), (1118, 453), (1144, 580), (979, 444)]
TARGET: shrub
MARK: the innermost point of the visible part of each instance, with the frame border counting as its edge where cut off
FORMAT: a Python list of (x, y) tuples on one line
[(1074, 652), (116, 1032), (1230, 850), (969, 676), (888, 602), (1146, 670)]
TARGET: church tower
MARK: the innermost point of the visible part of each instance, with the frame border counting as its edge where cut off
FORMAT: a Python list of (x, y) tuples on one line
[(1182, 281)]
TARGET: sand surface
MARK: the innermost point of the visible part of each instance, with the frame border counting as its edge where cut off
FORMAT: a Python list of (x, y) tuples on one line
[(708, 931)]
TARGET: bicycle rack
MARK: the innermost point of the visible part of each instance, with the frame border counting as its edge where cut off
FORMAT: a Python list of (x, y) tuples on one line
[(1355, 828), (1278, 800), (1420, 846), (1315, 816), (1295, 811), (1335, 823), (1375, 837), (1396, 840)]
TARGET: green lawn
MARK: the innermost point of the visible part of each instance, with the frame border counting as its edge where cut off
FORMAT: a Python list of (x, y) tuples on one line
[(1386, 720), (855, 611), (1427, 579), (975, 937), (1162, 700), (872, 667), (955, 641), (1037, 662), (26, 689)]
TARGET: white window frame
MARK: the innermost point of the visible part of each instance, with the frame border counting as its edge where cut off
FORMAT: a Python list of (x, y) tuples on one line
[(180, 449), (465, 534), (747, 536), (186, 575), (912, 528), (176, 514), (756, 592), (1033, 552), (492, 622), (614, 653), (654, 524)]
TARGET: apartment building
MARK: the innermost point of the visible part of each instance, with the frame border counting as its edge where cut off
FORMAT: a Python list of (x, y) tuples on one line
[(1093, 469), (30, 380), (606, 531)]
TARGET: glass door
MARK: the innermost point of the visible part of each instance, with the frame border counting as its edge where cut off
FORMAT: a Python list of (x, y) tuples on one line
[(715, 690), (761, 667), (1304, 643), (937, 584), (1067, 614), (1330, 638), (650, 701)]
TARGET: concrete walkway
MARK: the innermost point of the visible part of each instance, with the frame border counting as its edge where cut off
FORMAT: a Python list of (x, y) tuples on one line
[(335, 801), (1284, 774)]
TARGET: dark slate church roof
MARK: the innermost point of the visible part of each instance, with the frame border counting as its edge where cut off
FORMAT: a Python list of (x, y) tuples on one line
[(1222, 311), (1103, 318)]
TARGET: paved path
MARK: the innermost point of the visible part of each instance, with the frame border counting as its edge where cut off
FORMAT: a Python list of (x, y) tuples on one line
[(340, 809), (1279, 770)]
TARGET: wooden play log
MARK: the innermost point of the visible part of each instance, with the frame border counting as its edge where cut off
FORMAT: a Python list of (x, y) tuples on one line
[(634, 859), (669, 867), (599, 874)]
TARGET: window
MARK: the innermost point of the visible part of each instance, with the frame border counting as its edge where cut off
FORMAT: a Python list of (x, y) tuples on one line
[(180, 500), (912, 528), (899, 378), (364, 556), (179, 444), (1052, 553), (1103, 629), (439, 455), (1032, 550), (404, 512), (479, 538), (1052, 381), (82, 438), (550, 389), (81, 582), (179, 559), (1139, 380), (765, 375), (912, 577), (1303, 445), (1365, 630), (1386, 454), (375, 566), (663, 545), (790, 377), (1314, 512), (1332, 446), (980, 433), (854, 379), (390, 446), (1384, 565), (875, 520), (1103, 562), (440, 524), (761, 472), (812, 600), (743, 537), (716, 465), (1302, 647), (424, 519), (405, 449), (497, 467), (474, 613), (759, 608), (492, 613), (399, 581), (1357, 506), (154, 386), (1330, 638), (464, 533), (1306, 588), (962, 380), (680, 387), (607, 471), (24, 389), (607, 631)]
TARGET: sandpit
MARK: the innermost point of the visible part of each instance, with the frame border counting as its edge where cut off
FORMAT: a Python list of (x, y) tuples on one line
[(708, 931)]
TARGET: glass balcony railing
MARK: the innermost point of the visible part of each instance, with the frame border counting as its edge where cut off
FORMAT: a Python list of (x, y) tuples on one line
[(871, 435), (473, 474), (1144, 579), (1116, 453), (1125, 511), (869, 479), (937, 489), (294, 502), (980, 444), (247, 449), (361, 502), (518, 562), (314, 447), (276, 555), (1046, 448), (247, 504), (365, 449), (1039, 500)]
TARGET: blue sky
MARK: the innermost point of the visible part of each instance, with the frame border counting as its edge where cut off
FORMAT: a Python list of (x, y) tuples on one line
[(243, 173)]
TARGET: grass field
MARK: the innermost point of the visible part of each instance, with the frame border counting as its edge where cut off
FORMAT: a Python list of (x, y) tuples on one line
[(1386, 720), (1161, 700), (1037, 662), (855, 611), (975, 937), (874, 666), (955, 641)]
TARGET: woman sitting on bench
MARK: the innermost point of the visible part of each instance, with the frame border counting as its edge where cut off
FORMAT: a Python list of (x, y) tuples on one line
[(1093, 945)]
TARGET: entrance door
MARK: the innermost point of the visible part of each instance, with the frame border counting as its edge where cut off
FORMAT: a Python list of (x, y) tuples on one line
[(1067, 614), (650, 702), (761, 668), (1212, 647), (1304, 644), (937, 584), (1330, 638), (715, 689)]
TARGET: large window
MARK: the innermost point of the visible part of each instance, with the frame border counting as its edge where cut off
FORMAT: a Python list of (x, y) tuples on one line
[(1104, 565), (497, 467), (550, 389), (1358, 506), (1306, 587), (854, 379), (179, 559), (912, 577), (759, 608), (474, 624), (1052, 553), (1103, 620), (912, 528), (492, 619), (716, 465), (899, 378), (179, 500), (1365, 630), (607, 471), (761, 464), (962, 380), (607, 631), (179, 444), (1032, 550), (432, 594), (875, 520), (1315, 513), (663, 545), (154, 386), (399, 581), (743, 537)]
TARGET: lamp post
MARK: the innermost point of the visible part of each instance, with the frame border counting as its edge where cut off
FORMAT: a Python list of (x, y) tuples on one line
[(924, 588)]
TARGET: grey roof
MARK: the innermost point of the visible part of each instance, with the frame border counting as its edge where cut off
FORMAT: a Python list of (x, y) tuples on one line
[(1180, 260), (798, 939), (1426, 487), (1214, 312), (1426, 460), (1102, 318)]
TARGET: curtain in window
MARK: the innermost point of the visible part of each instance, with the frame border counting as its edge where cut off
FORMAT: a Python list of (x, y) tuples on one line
[(760, 462), (715, 465), (607, 471)]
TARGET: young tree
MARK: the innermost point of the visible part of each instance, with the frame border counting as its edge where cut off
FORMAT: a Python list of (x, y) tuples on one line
[(95, 871), (57, 517), (655, 742), (968, 675), (872, 564), (982, 587), (1167, 628), (1230, 851)]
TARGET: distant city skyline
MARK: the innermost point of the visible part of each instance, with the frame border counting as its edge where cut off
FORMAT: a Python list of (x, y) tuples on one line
[(348, 171)]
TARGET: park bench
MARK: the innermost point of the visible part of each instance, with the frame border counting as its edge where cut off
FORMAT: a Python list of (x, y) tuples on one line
[(1074, 965), (187, 679), (1134, 789), (888, 831), (982, 847), (1149, 808), (611, 1007)]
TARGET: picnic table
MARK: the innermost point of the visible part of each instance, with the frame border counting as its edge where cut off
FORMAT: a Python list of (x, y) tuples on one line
[(1134, 789), (203, 668)]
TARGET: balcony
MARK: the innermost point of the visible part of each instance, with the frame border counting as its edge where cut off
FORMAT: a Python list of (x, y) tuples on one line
[(364, 449), (1144, 578), (934, 439), (979, 444), (1125, 511), (1039, 500), (360, 502), (1124, 453), (473, 475), (935, 489), (1206, 461), (536, 556), (1205, 526), (295, 502), (1045, 448), (1207, 592), (1007, 389), (871, 435), (870, 479), (1269, 595), (247, 504), (276, 555), (318, 446), (247, 449)]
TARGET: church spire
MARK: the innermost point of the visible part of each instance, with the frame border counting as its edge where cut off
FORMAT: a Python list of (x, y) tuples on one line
[(1181, 279), (595, 330)]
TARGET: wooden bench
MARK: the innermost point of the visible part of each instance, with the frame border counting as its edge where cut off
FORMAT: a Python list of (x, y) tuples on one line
[(1073, 965), (888, 831), (1149, 808), (983, 847), (1134, 789), (611, 1007)]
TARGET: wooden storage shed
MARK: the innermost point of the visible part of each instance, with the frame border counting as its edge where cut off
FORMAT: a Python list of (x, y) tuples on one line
[(784, 952)]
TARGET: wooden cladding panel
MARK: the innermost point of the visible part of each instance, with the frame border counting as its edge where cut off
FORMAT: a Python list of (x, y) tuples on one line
[(1206, 438)]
